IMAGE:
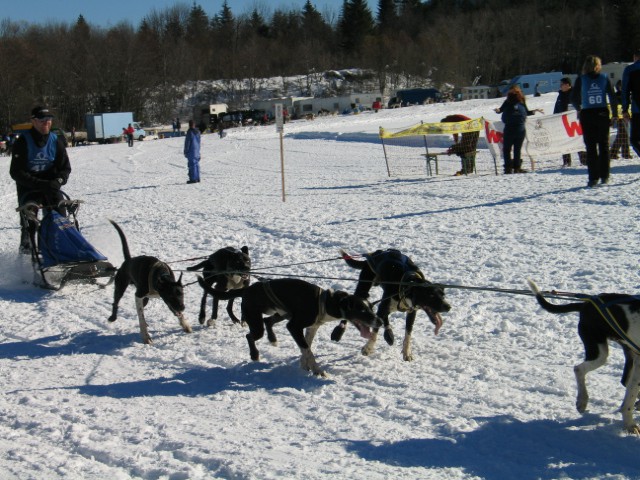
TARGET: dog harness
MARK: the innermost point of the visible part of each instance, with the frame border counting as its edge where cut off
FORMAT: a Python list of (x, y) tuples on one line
[(322, 298), (272, 296), (403, 304), (379, 258), (152, 271), (603, 309)]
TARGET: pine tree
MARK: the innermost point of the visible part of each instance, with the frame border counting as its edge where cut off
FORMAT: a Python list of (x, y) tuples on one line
[(387, 19), (356, 23)]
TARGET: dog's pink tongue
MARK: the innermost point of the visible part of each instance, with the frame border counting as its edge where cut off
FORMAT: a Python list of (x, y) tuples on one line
[(438, 323), (365, 332)]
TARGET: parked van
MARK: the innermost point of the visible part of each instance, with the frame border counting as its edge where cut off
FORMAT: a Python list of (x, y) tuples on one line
[(533, 83)]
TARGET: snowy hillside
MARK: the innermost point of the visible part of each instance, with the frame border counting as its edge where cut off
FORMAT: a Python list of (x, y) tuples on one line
[(491, 396)]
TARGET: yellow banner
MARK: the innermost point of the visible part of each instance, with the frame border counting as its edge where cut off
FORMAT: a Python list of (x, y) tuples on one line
[(441, 128)]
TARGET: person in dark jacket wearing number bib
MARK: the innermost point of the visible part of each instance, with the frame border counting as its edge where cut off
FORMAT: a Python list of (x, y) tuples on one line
[(590, 99), (39, 166)]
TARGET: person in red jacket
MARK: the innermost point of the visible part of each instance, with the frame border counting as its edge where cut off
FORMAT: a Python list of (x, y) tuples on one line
[(129, 131)]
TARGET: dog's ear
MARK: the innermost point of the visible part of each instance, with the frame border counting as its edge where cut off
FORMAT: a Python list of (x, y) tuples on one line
[(244, 249), (180, 279)]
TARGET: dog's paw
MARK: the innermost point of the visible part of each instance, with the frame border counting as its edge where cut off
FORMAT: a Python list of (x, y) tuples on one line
[(336, 334), (388, 336), (581, 404), (367, 350), (632, 429), (113, 318), (408, 357)]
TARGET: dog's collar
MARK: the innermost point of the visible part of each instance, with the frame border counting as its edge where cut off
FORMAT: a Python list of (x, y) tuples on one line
[(404, 304), (322, 303)]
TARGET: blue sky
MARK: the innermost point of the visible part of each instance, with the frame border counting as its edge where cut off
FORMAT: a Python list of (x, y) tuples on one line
[(110, 12)]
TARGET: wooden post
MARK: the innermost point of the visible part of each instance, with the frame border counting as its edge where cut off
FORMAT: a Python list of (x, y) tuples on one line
[(384, 149), (280, 130)]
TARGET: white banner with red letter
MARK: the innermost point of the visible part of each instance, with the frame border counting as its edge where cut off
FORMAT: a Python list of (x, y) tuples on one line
[(546, 135)]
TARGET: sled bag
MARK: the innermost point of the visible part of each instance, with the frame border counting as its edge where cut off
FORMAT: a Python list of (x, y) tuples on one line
[(61, 242)]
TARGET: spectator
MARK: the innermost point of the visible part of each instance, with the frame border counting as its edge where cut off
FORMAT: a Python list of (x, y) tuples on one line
[(465, 146), (621, 142), (514, 116), (192, 152), (563, 102), (178, 126), (129, 131), (631, 97), (39, 166), (590, 99)]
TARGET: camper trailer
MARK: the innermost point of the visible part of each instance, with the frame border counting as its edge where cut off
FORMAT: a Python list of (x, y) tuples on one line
[(352, 103), (533, 83), (208, 115), (476, 91), (268, 106), (614, 70)]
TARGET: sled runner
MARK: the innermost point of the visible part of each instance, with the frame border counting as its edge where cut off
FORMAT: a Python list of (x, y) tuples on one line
[(59, 252)]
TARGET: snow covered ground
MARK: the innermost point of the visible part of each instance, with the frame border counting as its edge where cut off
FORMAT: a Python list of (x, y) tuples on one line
[(492, 396)]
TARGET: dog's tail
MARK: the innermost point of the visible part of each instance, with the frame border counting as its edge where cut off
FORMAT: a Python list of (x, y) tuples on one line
[(123, 239), (219, 294), (353, 263), (199, 266), (550, 307)]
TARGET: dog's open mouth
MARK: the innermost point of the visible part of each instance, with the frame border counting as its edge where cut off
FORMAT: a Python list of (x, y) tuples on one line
[(365, 331), (435, 318)]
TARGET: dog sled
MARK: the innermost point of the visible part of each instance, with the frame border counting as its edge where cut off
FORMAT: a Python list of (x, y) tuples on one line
[(59, 253)]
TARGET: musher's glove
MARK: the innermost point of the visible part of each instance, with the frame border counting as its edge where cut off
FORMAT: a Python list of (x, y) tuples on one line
[(56, 183)]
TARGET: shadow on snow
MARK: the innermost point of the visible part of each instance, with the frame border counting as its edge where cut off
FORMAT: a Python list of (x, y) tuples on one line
[(503, 447), (210, 381)]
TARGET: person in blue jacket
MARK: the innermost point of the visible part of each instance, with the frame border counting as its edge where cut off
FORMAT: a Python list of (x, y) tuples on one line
[(192, 152), (631, 98), (514, 116), (590, 99)]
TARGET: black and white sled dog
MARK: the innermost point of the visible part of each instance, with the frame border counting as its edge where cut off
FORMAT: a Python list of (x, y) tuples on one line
[(604, 317), (152, 279), (226, 269), (304, 305), (404, 289)]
